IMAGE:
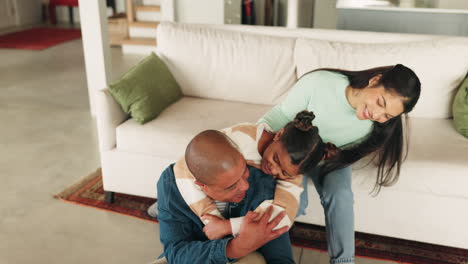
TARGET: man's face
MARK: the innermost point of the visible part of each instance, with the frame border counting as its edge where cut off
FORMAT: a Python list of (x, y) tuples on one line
[(231, 185)]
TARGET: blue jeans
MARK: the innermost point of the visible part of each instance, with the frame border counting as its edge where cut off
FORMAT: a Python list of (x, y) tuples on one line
[(336, 197)]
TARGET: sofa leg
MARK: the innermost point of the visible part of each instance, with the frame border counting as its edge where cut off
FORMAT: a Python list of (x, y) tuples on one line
[(109, 197), (70, 14)]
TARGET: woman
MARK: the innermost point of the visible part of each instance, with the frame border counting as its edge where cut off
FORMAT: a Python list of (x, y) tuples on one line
[(360, 112)]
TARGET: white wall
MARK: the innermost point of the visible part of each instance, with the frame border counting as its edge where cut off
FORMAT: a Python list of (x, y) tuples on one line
[(414, 22), (20, 12), (453, 4), (120, 6), (7, 14)]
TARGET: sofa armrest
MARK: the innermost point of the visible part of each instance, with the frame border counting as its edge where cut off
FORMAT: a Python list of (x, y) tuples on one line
[(109, 116)]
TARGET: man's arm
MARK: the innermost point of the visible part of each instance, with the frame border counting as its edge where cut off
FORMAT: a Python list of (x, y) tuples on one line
[(180, 234), (181, 244)]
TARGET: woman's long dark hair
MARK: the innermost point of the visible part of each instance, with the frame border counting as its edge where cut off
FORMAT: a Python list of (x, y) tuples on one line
[(386, 140)]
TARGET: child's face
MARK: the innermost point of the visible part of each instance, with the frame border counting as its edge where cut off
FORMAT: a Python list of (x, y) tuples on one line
[(276, 161)]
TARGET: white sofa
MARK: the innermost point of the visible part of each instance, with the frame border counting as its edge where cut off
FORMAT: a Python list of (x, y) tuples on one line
[(232, 74)]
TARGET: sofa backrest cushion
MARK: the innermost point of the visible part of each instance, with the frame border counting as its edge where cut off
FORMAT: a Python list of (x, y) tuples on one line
[(220, 64), (440, 63), (326, 34)]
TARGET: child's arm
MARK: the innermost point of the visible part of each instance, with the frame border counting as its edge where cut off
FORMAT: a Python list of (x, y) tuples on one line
[(215, 227), (287, 195), (195, 198)]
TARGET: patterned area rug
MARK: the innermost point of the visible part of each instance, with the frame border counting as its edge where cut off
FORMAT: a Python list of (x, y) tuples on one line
[(89, 192)]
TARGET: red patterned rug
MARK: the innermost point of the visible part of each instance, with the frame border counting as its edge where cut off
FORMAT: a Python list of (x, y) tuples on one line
[(38, 38), (89, 192)]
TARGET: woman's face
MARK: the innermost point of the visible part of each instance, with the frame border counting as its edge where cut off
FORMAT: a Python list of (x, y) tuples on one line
[(276, 161), (375, 103)]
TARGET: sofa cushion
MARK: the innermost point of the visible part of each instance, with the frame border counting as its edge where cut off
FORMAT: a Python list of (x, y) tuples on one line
[(436, 164), (325, 34), (441, 65), (168, 135), (146, 89), (228, 65), (460, 109)]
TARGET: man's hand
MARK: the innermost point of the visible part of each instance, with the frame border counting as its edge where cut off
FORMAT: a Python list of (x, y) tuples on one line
[(216, 228), (255, 233)]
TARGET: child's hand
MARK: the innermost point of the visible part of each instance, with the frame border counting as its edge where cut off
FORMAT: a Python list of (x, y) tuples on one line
[(216, 228), (284, 177)]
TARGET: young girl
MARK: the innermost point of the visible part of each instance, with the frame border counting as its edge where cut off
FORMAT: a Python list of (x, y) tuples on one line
[(287, 155)]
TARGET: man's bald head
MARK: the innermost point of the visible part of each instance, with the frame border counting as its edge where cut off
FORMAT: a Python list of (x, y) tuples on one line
[(209, 154)]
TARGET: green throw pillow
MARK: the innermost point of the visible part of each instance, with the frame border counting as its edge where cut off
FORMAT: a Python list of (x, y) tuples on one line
[(146, 89), (460, 109)]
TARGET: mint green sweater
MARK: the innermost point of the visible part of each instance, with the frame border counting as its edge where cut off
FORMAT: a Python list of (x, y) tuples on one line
[(324, 93)]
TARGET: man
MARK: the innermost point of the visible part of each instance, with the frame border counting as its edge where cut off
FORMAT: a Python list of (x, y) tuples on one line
[(222, 174)]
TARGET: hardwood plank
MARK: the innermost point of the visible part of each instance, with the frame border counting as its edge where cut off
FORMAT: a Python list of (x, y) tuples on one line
[(144, 24), (139, 41), (148, 8)]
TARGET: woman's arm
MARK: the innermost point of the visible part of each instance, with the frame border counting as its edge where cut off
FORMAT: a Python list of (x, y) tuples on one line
[(297, 100)]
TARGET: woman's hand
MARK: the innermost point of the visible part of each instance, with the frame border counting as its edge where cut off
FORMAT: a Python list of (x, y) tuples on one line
[(331, 151), (216, 227)]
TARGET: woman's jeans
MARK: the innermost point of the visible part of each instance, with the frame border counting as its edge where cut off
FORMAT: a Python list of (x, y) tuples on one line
[(336, 197)]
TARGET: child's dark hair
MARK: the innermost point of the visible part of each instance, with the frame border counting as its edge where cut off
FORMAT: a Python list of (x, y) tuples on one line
[(304, 144)]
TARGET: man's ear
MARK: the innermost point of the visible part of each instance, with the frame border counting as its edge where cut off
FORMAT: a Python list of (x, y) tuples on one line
[(202, 186), (199, 183), (278, 134)]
